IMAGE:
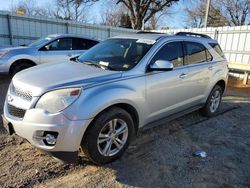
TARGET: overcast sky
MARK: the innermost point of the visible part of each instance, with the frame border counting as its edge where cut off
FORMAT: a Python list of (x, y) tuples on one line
[(176, 19)]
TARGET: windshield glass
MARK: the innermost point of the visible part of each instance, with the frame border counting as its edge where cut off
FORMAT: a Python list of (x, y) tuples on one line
[(40, 41), (117, 54)]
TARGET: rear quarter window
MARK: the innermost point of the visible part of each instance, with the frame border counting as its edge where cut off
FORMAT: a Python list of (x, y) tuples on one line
[(83, 44), (217, 48)]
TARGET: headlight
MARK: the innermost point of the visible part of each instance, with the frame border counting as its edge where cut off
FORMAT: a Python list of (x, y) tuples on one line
[(57, 100), (4, 53)]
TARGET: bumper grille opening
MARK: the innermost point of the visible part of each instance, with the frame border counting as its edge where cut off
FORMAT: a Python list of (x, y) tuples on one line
[(14, 111)]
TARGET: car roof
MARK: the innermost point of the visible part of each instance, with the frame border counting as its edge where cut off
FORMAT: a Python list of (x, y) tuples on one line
[(147, 36), (158, 36), (71, 35)]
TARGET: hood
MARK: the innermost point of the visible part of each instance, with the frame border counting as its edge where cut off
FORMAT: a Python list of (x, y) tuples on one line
[(15, 48), (42, 78)]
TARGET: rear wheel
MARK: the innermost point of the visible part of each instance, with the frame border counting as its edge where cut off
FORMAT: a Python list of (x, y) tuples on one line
[(213, 102), (108, 136)]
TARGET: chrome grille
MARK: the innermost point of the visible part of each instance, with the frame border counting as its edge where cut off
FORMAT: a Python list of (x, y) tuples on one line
[(14, 111), (26, 95)]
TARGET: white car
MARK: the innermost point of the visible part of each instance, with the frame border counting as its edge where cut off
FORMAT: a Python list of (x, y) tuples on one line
[(53, 48)]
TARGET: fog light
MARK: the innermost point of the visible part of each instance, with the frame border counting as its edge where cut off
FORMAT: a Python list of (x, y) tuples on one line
[(51, 139)]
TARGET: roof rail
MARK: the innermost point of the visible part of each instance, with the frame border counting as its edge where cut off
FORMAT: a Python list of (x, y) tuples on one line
[(193, 34), (148, 32)]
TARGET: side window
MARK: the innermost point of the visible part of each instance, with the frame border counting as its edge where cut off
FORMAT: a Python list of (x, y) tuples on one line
[(172, 52), (217, 48), (196, 53), (83, 44), (60, 44)]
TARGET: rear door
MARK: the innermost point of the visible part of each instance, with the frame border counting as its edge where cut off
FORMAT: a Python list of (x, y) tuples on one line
[(199, 62), (80, 45), (56, 51)]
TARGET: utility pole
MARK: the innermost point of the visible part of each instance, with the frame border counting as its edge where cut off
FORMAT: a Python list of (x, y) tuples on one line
[(207, 12)]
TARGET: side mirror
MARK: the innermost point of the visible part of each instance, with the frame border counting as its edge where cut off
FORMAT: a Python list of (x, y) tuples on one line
[(161, 65)]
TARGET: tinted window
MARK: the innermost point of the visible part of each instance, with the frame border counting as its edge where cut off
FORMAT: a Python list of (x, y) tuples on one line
[(217, 48), (196, 53), (83, 44), (172, 52), (60, 44)]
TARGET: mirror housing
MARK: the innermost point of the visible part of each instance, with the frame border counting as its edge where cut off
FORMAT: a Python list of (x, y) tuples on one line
[(161, 65)]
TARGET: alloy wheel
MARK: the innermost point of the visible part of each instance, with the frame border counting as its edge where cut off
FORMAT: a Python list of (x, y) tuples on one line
[(112, 137), (215, 101)]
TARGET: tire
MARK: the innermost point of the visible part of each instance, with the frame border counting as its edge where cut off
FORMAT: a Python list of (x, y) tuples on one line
[(100, 142), (19, 67), (213, 102)]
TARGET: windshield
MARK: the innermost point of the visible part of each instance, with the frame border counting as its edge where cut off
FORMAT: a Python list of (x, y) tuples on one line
[(117, 54), (40, 41)]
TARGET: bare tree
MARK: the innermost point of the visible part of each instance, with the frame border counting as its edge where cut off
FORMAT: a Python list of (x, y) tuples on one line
[(111, 16), (236, 10), (142, 10), (72, 9), (196, 15), (115, 15), (222, 12)]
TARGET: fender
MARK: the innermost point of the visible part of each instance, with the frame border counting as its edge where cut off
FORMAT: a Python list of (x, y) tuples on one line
[(220, 73), (15, 58), (99, 98)]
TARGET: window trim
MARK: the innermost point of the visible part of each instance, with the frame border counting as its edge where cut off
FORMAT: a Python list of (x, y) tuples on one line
[(200, 62), (207, 52)]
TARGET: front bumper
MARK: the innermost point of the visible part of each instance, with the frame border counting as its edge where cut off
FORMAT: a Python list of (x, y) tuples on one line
[(36, 122)]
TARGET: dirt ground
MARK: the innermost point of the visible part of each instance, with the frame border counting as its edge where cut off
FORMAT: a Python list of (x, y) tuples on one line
[(159, 157)]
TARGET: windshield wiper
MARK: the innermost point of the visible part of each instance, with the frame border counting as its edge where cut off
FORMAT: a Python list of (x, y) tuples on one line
[(96, 65), (75, 59)]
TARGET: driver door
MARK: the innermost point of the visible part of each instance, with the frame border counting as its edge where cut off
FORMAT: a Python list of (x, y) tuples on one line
[(168, 92), (58, 50)]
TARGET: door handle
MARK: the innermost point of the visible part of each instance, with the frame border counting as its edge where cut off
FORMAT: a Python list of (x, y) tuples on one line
[(183, 75), (210, 68)]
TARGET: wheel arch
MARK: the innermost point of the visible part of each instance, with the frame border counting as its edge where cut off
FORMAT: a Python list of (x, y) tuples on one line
[(125, 106), (15, 63), (222, 84)]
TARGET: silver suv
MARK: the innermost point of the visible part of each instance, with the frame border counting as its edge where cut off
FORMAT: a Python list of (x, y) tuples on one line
[(98, 102), (53, 48)]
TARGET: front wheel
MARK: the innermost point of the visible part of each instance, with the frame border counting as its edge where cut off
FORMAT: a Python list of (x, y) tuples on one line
[(213, 102), (108, 136), (19, 68)]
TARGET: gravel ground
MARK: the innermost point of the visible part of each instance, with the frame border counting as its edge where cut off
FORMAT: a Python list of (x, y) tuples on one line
[(159, 157)]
